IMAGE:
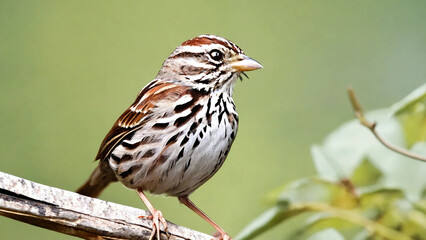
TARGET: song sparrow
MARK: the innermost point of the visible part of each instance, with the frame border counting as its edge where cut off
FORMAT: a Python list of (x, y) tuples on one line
[(179, 130)]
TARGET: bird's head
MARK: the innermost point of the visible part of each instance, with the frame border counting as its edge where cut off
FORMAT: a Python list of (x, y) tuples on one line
[(206, 62)]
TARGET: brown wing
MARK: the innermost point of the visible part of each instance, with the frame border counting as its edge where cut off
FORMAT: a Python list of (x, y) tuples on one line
[(138, 114)]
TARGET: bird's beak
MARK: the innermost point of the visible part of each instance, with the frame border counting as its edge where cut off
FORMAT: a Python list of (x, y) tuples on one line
[(244, 63)]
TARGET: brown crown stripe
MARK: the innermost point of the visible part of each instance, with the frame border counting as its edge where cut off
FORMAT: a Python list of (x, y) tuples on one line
[(199, 41)]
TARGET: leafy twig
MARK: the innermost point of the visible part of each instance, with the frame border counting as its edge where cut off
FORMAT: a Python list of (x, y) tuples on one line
[(359, 113)]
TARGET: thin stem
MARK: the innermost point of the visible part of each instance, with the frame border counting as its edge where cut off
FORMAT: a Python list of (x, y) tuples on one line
[(372, 126)]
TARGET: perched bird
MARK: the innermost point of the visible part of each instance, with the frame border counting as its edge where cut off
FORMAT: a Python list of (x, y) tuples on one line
[(178, 132)]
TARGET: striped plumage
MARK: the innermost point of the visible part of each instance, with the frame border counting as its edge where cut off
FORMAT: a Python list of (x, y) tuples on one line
[(180, 144), (180, 128)]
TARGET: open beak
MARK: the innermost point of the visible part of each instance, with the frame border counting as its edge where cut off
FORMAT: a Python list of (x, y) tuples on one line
[(244, 63)]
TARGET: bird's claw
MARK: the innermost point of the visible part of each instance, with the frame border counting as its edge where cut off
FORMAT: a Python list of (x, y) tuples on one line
[(157, 218)]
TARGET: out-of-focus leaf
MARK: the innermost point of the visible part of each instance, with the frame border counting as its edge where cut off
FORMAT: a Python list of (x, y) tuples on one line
[(344, 150), (321, 221), (421, 205), (415, 225), (412, 98), (411, 112), (325, 167), (319, 191), (407, 174), (384, 206), (380, 199), (267, 220), (414, 124), (392, 218), (346, 147), (365, 174), (272, 196), (327, 234), (305, 190)]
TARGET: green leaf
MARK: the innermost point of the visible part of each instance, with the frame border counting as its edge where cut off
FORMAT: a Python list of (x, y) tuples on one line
[(345, 149), (365, 174), (405, 173), (325, 167), (266, 221), (307, 190), (319, 191), (415, 225), (392, 217), (421, 205), (406, 103), (381, 198), (352, 152), (411, 112), (320, 221), (327, 234)]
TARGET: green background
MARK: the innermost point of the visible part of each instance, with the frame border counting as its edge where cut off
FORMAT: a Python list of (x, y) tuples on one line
[(68, 69)]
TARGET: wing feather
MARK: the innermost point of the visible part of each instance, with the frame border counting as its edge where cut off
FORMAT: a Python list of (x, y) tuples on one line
[(141, 111)]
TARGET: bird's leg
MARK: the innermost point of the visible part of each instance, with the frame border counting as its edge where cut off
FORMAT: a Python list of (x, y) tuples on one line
[(157, 217), (223, 235)]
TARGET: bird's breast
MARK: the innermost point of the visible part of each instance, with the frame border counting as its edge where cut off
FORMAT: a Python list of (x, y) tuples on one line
[(180, 148)]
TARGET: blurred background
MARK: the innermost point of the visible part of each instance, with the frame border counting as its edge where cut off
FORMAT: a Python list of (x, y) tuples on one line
[(68, 69)]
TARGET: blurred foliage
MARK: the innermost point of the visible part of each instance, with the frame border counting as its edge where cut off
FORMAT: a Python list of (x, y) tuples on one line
[(355, 195), (411, 112)]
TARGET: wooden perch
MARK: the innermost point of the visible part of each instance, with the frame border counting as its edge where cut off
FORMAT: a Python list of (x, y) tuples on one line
[(77, 215)]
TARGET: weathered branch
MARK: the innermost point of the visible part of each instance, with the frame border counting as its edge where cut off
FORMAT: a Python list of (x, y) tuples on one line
[(77, 215), (359, 113)]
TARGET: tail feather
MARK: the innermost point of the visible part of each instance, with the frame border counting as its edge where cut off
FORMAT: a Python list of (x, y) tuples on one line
[(101, 177)]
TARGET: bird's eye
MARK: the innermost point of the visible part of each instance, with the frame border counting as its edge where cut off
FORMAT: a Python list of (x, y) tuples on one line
[(216, 55)]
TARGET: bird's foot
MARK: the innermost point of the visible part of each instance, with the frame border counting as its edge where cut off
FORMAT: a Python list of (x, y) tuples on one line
[(157, 218)]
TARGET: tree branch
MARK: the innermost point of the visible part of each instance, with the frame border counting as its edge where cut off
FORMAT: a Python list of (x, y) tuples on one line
[(359, 113), (78, 215)]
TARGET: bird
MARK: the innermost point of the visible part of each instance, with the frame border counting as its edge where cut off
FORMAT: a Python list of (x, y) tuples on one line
[(179, 130)]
